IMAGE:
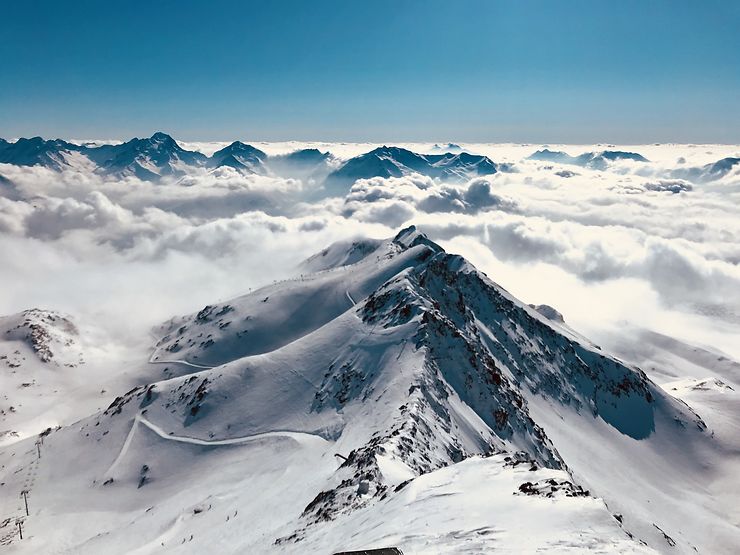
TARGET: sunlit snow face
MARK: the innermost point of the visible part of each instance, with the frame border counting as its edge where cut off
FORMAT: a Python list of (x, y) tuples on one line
[(640, 244)]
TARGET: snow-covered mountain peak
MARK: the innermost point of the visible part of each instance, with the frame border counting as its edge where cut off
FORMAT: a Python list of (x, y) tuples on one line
[(447, 147), (240, 156), (238, 146), (162, 142), (147, 158), (348, 252), (162, 137), (411, 237), (37, 151)]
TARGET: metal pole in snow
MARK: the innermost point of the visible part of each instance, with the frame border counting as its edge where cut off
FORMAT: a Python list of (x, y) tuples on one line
[(20, 528), (38, 448), (24, 493)]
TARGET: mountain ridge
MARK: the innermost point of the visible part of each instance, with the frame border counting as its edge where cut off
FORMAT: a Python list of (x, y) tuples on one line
[(160, 156)]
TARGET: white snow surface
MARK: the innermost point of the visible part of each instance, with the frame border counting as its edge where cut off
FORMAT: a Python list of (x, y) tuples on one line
[(392, 395)]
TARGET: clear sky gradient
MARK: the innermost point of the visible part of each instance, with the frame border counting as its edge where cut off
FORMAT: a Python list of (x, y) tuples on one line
[(499, 71)]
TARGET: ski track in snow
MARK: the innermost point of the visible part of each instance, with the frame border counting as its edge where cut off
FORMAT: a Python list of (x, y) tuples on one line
[(125, 446), (350, 298), (139, 418), (292, 434), (185, 362), (176, 361)]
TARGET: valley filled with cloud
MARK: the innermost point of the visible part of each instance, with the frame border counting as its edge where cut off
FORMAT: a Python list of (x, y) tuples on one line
[(612, 244)]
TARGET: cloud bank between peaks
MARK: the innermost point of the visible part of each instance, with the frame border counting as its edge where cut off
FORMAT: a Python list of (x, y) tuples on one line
[(649, 244)]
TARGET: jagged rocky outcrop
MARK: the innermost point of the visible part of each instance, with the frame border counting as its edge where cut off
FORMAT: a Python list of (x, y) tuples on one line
[(50, 336)]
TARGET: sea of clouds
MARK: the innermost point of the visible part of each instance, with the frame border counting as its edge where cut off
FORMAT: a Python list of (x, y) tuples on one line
[(639, 245)]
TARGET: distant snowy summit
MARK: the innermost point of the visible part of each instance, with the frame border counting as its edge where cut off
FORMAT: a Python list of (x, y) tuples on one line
[(157, 156), (239, 156), (54, 154), (391, 161), (593, 160), (448, 147)]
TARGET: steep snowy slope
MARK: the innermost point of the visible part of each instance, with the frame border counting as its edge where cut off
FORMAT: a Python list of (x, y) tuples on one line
[(708, 381), (396, 381)]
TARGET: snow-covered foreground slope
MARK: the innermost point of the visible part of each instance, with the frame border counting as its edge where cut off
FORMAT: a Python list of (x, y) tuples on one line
[(396, 396)]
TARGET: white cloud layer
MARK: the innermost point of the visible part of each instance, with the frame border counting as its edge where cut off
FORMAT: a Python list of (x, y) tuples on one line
[(642, 244)]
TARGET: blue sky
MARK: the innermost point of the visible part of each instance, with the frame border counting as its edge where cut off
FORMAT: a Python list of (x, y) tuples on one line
[(521, 71)]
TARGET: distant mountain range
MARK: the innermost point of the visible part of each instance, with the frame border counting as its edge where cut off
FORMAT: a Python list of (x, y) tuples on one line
[(161, 156), (600, 161), (392, 161), (36, 151), (156, 157), (593, 160), (147, 159)]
